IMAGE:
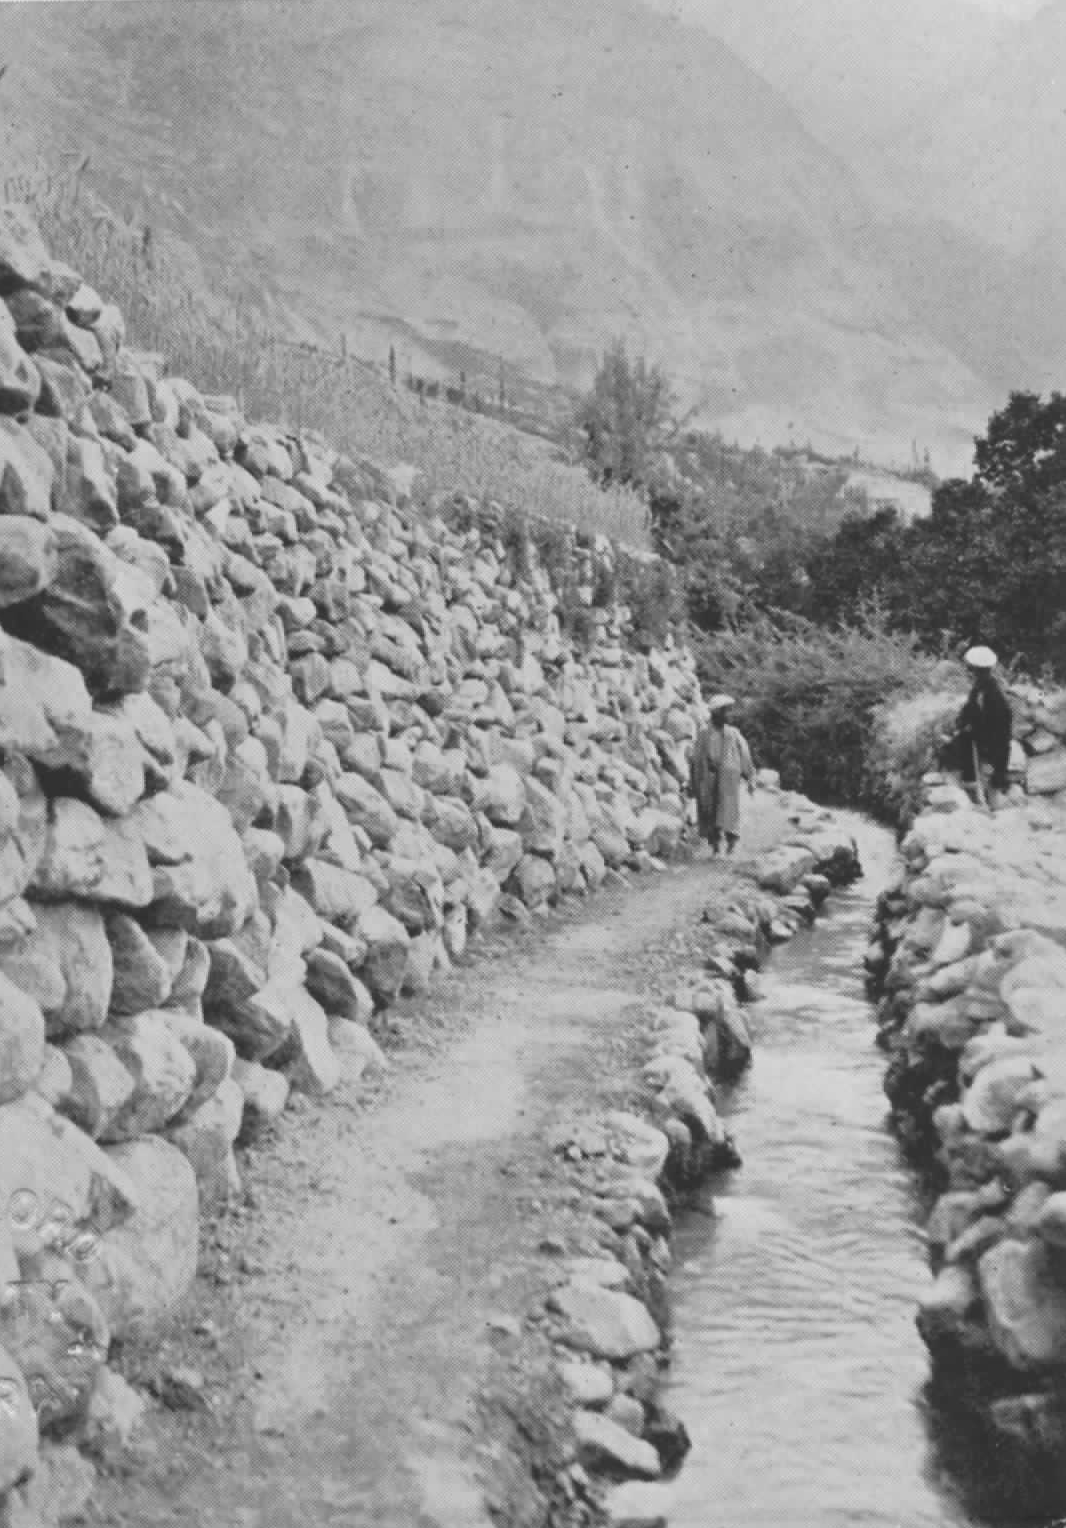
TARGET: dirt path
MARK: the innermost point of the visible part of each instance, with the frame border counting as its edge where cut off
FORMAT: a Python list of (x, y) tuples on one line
[(346, 1313)]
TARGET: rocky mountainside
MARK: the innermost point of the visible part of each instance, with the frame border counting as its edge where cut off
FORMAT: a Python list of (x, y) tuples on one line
[(525, 182)]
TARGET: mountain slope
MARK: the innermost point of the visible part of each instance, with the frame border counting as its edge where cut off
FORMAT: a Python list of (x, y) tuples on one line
[(856, 70), (526, 181), (995, 159)]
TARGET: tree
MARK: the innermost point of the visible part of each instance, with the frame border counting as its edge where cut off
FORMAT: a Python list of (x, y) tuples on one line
[(625, 418), (860, 563), (1025, 447)]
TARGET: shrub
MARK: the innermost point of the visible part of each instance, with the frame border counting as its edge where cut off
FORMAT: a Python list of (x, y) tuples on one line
[(903, 747), (625, 418), (809, 698), (652, 591)]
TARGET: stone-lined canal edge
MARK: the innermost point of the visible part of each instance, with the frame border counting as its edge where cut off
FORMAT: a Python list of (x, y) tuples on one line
[(590, 1427), (968, 961)]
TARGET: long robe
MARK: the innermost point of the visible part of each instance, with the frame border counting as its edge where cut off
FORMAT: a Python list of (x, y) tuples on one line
[(985, 723), (721, 759)]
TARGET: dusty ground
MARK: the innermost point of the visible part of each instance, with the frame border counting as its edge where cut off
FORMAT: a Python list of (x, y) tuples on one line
[(389, 1248)]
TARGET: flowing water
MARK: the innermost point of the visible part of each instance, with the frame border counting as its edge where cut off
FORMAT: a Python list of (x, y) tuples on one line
[(798, 1368)]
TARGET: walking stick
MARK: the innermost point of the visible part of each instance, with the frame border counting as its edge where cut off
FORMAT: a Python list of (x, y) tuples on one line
[(978, 783)]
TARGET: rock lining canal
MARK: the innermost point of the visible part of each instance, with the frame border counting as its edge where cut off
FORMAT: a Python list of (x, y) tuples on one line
[(797, 1366)]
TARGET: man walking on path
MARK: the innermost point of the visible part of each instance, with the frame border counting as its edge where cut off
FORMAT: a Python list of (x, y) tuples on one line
[(721, 759), (984, 726)]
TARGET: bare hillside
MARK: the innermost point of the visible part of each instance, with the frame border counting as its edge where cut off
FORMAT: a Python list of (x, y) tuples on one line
[(522, 182)]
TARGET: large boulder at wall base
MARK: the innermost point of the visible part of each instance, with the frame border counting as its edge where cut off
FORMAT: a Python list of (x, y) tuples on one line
[(604, 1322), (1025, 1304), (18, 1425), (57, 1334), (21, 1041), (144, 1269), (45, 1160)]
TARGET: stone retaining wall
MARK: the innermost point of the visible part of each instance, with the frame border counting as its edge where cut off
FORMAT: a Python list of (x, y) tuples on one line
[(272, 749), (970, 960), (608, 1314)]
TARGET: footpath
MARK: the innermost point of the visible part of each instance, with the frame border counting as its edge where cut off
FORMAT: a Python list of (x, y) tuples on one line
[(370, 1340)]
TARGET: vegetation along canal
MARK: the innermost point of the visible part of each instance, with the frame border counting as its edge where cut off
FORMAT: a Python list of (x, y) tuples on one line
[(798, 1367)]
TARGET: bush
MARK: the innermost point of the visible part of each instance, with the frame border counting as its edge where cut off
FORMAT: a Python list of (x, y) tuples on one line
[(652, 590), (808, 698), (625, 418), (903, 747)]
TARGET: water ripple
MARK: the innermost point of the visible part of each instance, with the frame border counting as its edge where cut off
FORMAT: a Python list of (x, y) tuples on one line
[(798, 1369)]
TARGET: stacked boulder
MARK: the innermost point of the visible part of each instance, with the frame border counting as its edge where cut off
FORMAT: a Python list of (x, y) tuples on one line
[(970, 958), (272, 748), (1039, 759)]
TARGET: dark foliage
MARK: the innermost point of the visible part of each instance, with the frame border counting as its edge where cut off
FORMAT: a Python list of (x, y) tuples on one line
[(989, 563)]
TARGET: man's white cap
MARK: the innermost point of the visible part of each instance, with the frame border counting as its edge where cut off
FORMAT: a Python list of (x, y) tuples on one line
[(981, 658), (719, 703)]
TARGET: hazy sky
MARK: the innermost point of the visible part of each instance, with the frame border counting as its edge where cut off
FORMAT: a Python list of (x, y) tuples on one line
[(1010, 7)]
